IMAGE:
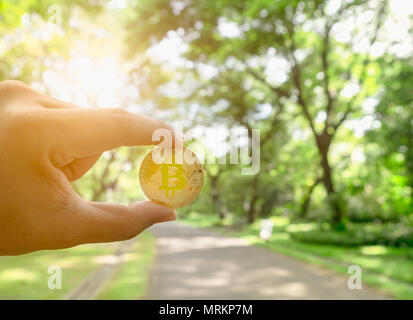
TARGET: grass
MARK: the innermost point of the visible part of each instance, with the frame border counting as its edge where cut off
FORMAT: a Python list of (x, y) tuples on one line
[(389, 269), (131, 279), (26, 276)]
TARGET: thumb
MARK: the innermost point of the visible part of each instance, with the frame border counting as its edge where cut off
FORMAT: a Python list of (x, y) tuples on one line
[(108, 222)]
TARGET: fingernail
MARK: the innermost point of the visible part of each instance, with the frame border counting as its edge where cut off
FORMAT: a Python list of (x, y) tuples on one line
[(165, 213), (172, 216)]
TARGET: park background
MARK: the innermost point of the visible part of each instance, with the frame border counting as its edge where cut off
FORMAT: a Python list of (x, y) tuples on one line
[(328, 83)]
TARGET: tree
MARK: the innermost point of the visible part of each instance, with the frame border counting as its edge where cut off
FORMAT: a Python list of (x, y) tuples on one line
[(242, 40), (395, 133), (21, 20)]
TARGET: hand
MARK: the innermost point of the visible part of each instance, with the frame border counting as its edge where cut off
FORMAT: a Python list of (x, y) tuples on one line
[(44, 144)]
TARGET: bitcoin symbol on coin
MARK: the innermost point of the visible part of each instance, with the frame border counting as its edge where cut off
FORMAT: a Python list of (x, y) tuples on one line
[(172, 178), (169, 183)]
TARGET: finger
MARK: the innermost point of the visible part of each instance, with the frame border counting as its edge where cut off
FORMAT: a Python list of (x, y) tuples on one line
[(78, 167), (104, 222), (92, 131), (17, 91), (50, 102)]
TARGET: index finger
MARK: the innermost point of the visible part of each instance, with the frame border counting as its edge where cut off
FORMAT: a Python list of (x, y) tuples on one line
[(84, 132)]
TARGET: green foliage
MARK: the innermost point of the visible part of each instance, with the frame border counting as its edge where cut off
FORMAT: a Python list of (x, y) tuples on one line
[(317, 69), (11, 12), (395, 135), (392, 235)]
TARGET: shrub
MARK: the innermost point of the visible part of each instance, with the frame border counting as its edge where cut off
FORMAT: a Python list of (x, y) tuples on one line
[(395, 236)]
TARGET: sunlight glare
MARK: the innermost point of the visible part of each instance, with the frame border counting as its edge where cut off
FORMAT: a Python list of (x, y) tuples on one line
[(228, 29)]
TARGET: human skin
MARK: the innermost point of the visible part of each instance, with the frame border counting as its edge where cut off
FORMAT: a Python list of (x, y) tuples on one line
[(46, 143)]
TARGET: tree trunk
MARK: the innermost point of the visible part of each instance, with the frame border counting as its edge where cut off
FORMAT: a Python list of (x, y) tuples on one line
[(269, 203), (103, 185), (323, 144), (251, 210), (409, 155), (307, 198), (254, 199), (215, 197)]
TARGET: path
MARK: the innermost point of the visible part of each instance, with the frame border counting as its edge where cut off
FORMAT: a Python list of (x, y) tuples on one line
[(195, 263)]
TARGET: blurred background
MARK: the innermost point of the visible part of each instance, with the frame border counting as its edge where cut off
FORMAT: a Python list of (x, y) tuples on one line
[(327, 82)]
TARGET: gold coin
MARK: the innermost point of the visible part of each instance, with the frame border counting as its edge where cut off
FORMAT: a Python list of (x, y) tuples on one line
[(174, 181)]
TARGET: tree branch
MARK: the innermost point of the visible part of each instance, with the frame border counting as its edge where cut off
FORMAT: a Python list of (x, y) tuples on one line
[(103, 184), (296, 74), (274, 125), (279, 91), (325, 66), (351, 105)]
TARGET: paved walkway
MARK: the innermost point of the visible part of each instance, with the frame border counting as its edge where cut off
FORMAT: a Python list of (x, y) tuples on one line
[(194, 263)]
